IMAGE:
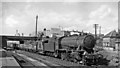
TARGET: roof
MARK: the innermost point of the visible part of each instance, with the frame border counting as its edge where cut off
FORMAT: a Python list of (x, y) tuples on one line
[(111, 34), (18, 37)]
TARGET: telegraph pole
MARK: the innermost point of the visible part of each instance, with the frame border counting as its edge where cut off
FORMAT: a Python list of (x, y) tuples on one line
[(99, 30), (95, 26), (36, 26), (36, 33)]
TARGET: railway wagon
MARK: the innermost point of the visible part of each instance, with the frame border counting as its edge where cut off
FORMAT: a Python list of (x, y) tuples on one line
[(12, 46), (29, 45)]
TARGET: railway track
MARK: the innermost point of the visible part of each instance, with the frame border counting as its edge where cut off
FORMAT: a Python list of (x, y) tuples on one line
[(28, 62), (55, 62), (51, 61), (23, 63)]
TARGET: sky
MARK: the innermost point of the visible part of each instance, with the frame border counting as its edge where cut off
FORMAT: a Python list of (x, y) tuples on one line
[(68, 15)]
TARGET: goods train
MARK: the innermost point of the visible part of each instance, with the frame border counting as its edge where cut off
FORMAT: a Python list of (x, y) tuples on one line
[(74, 48)]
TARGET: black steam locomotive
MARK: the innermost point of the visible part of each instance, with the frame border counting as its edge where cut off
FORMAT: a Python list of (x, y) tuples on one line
[(74, 48)]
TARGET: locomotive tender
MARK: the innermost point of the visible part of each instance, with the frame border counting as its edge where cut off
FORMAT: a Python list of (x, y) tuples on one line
[(75, 48)]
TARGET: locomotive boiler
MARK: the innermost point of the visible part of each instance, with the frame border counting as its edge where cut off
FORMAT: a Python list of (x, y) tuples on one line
[(85, 42)]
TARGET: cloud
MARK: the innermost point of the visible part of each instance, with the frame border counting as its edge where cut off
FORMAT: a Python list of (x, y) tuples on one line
[(21, 16), (96, 16), (27, 6), (10, 21), (53, 19), (101, 12), (104, 17), (100, 15), (71, 28), (59, 0)]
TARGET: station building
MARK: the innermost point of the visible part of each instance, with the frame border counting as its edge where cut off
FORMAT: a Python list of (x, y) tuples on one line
[(109, 40)]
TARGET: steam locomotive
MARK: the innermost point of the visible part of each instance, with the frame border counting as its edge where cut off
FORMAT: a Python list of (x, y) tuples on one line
[(74, 48)]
